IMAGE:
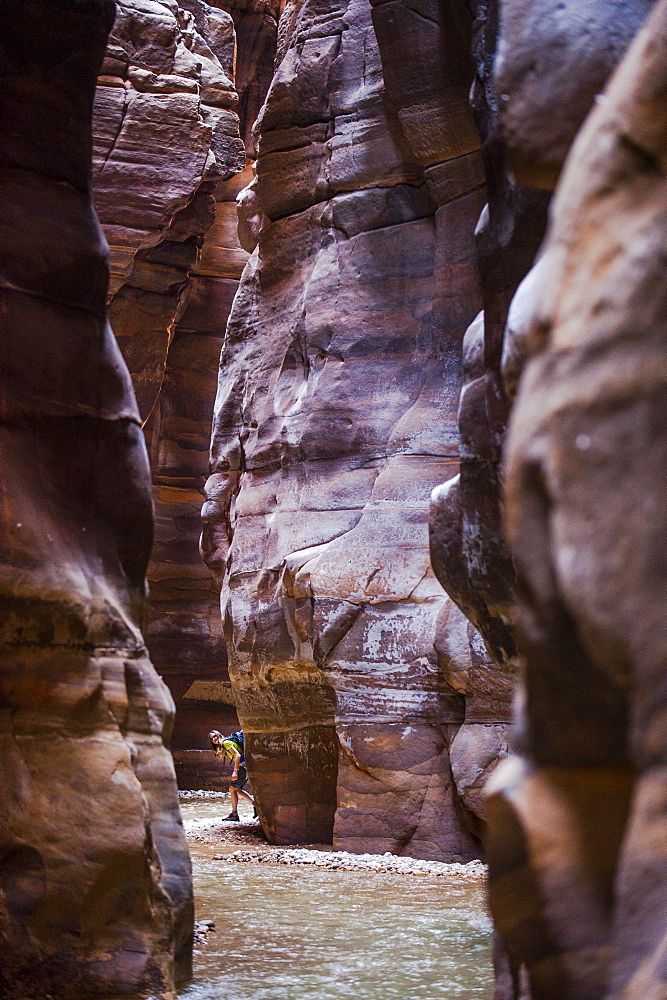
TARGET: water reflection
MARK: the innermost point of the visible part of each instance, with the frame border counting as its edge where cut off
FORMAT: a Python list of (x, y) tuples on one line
[(287, 933)]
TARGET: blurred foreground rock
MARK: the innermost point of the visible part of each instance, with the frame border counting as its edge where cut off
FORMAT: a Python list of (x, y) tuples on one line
[(578, 820), (469, 554), (550, 59), (96, 892)]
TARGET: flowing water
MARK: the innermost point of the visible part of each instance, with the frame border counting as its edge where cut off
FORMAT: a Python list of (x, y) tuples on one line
[(301, 933)]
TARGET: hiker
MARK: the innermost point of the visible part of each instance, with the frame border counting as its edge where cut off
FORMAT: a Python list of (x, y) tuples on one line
[(232, 747)]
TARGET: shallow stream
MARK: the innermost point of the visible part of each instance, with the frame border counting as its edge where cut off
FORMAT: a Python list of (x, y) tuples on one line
[(303, 933)]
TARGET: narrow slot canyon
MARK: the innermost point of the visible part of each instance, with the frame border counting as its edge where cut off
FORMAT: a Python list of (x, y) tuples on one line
[(332, 646)]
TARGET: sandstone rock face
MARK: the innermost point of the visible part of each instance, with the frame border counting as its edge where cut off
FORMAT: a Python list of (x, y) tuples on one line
[(467, 546), (167, 138), (185, 632), (256, 26), (168, 150), (165, 123), (547, 55), (335, 417), (96, 893), (577, 821), (556, 55)]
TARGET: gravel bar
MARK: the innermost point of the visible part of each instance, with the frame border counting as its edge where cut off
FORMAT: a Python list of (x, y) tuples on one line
[(187, 796), (342, 861)]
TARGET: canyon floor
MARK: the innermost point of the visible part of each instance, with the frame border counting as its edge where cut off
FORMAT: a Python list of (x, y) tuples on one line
[(311, 923), (243, 842)]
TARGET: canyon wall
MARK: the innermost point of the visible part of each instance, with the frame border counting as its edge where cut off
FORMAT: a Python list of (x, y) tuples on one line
[(577, 818), (179, 89), (335, 417), (551, 60), (535, 81), (166, 142), (467, 545), (374, 705), (96, 893)]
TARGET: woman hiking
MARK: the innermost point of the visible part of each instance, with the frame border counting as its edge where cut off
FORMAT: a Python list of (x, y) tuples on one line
[(232, 747)]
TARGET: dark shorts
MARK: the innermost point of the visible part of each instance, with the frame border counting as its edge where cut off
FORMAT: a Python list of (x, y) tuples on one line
[(242, 778)]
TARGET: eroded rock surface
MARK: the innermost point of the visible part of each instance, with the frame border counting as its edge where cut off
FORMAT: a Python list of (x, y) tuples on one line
[(546, 55), (165, 123), (167, 140), (179, 86), (335, 417), (467, 545), (553, 59), (577, 820), (96, 893), (185, 632)]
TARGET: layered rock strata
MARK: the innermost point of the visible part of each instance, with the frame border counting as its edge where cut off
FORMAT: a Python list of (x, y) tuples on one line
[(335, 416), (467, 546), (167, 142), (577, 820), (256, 27), (96, 893), (166, 129), (180, 87), (185, 632), (429, 57), (546, 55)]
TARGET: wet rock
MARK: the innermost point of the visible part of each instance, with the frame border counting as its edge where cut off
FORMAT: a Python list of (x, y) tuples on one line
[(95, 875), (202, 930), (577, 819)]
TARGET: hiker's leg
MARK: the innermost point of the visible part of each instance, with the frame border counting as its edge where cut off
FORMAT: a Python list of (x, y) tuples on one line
[(234, 797), (246, 795)]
